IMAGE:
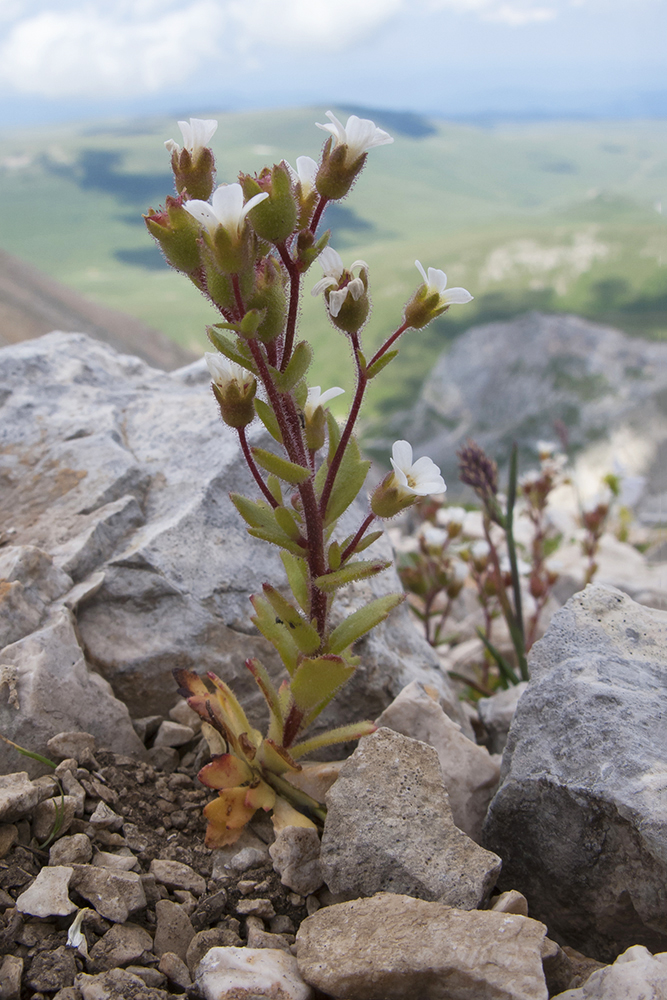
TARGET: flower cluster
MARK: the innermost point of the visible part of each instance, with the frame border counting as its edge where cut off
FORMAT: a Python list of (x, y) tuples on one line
[(246, 246)]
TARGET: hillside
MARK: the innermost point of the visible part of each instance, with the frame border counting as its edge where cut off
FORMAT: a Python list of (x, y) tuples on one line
[(32, 304), (558, 216)]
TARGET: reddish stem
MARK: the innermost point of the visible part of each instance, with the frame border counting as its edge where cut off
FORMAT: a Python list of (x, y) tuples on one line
[(321, 205), (295, 280), (385, 347), (253, 468), (237, 295), (362, 382), (347, 552)]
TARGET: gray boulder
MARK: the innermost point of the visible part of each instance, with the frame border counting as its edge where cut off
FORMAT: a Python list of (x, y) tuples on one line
[(509, 381), (580, 819), (121, 474)]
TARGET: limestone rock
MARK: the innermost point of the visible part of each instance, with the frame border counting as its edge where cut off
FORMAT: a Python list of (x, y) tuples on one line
[(470, 774), (173, 734), (48, 894), (11, 971), (115, 895), (118, 984), (635, 975), (76, 746), (389, 827), (48, 812), (509, 381), (227, 973), (52, 970), (176, 875), (580, 819), (175, 969), (18, 795), (126, 470), (296, 857), (56, 691), (174, 931), (399, 947), (122, 944), (497, 713)]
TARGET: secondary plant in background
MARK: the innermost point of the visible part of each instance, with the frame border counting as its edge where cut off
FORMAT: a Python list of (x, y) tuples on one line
[(247, 250)]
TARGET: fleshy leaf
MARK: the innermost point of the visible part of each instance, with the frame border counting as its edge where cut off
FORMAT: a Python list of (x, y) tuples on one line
[(297, 576), (288, 471), (285, 815), (276, 759), (352, 571), (362, 621), (340, 735), (268, 418), (226, 347), (225, 771), (381, 363), (304, 635), (227, 815), (279, 636), (349, 480), (287, 521), (317, 681), (262, 796), (267, 687), (298, 365)]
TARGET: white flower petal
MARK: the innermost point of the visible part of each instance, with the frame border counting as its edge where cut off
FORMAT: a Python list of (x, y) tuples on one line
[(306, 168), (255, 200), (172, 147), (331, 394), (356, 288), (456, 296), (322, 285), (437, 280), (332, 263), (202, 212), (401, 454), (227, 202), (336, 299), (336, 128), (400, 476), (421, 271)]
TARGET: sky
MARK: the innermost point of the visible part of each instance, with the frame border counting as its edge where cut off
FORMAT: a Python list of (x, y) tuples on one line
[(447, 57)]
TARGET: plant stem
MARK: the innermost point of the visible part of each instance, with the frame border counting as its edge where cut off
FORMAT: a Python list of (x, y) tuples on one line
[(253, 468), (387, 344), (321, 205), (295, 280), (362, 382), (347, 552)]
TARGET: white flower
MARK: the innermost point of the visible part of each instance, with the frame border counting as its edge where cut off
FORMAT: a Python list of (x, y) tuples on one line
[(523, 568), (436, 283), (480, 549), (434, 536), (419, 478), (226, 209), (450, 515), (332, 265), (223, 371), (359, 135), (317, 398), (197, 134), (306, 172), (75, 936)]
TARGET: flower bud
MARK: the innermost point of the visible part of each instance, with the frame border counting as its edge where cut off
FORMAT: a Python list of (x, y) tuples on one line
[(275, 218), (193, 165), (432, 298), (347, 299), (315, 416), (177, 234), (234, 388), (335, 176), (389, 498)]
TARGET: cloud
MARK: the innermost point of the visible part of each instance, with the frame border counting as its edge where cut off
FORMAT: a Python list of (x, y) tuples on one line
[(515, 13)]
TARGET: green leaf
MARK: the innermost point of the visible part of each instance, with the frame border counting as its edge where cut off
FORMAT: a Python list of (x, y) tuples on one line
[(288, 471), (360, 570), (271, 697), (316, 682), (256, 513), (334, 433), (354, 731), (275, 488), (334, 555), (252, 321), (279, 637), (226, 347), (298, 365), (302, 633), (381, 363), (362, 621), (349, 481), (297, 576), (367, 540), (506, 672), (268, 418), (277, 538), (288, 522)]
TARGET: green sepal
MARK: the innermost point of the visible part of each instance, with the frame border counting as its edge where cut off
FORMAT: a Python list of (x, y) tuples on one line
[(362, 621), (288, 471), (316, 682), (303, 634), (226, 347), (349, 573), (349, 481), (301, 394), (381, 363), (275, 488), (310, 253), (297, 577), (288, 522), (269, 419), (279, 637), (365, 541), (297, 367), (353, 731)]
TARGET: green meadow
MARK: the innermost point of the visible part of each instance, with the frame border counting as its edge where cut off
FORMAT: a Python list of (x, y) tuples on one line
[(557, 216)]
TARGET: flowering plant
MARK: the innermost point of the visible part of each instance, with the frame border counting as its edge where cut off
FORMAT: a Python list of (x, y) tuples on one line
[(248, 249)]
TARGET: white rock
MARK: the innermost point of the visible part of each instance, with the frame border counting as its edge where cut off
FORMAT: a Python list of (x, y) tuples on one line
[(75, 745), (18, 796), (296, 857), (635, 975), (176, 875), (173, 734), (114, 894), (470, 774), (48, 894), (225, 973), (497, 713)]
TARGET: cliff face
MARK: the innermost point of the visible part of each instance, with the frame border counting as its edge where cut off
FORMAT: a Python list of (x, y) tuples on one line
[(32, 304)]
